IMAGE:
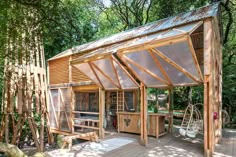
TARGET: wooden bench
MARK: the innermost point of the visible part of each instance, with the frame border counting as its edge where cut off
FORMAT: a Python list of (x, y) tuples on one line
[(91, 136)]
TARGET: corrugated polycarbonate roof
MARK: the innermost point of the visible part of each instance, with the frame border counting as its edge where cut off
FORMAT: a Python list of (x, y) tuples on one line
[(161, 60), (137, 42), (183, 18)]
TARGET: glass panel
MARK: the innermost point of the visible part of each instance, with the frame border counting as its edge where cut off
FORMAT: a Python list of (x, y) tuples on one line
[(175, 75), (85, 68), (145, 77), (107, 84), (63, 121), (144, 59), (106, 66), (180, 54), (65, 109), (53, 103), (125, 80)]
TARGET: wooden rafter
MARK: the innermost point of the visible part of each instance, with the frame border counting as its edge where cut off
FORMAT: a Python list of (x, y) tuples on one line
[(113, 66), (182, 31), (175, 65), (135, 74), (195, 58), (154, 43), (128, 74), (105, 75), (145, 70), (164, 73), (96, 75), (195, 27)]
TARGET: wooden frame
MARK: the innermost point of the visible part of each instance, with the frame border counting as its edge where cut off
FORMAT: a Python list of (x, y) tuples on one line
[(158, 64), (212, 68), (143, 115), (143, 69), (106, 76), (175, 65)]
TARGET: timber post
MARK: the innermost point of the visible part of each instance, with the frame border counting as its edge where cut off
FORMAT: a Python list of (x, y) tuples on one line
[(101, 112), (143, 115)]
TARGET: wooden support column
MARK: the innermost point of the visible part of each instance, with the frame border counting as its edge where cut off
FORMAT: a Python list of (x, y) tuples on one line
[(143, 115), (208, 89), (101, 112), (171, 102)]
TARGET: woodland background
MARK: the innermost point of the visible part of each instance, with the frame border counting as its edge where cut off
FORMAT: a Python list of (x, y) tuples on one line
[(66, 23)]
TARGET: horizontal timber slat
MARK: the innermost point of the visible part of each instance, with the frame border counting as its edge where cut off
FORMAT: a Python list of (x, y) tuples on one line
[(93, 113), (88, 127)]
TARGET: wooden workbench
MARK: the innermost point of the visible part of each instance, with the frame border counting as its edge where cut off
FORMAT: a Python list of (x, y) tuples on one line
[(130, 122)]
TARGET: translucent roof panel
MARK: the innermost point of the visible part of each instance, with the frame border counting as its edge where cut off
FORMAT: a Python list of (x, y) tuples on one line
[(125, 80), (176, 76), (85, 68), (106, 66), (172, 32), (189, 28), (107, 84), (147, 79), (144, 59), (180, 53)]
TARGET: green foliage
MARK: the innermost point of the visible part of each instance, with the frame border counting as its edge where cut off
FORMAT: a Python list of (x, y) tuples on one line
[(67, 23)]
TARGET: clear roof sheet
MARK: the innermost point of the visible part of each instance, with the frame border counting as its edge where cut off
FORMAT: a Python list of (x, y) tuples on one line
[(106, 66), (125, 80), (107, 84), (180, 54), (85, 68), (147, 79), (144, 59), (176, 76), (142, 40)]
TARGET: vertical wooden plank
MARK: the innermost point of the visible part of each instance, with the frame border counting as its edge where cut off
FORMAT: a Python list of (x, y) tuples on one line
[(70, 70), (31, 125), (73, 98), (101, 112), (171, 101), (157, 126), (208, 89), (143, 115), (41, 139)]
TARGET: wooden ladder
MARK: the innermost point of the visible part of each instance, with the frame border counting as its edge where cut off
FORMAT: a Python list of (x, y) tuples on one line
[(120, 101)]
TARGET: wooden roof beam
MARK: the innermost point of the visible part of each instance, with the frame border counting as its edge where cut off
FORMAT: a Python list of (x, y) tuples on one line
[(145, 70), (164, 73), (114, 69), (128, 74), (96, 75), (195, 58), (106, 76), (164, 57)]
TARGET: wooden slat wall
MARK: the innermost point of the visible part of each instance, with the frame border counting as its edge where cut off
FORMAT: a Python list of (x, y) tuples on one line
[(59, 71), (78, 76)]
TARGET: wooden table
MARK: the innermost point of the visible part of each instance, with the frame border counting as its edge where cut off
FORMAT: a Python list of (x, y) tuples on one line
[(130, 122)]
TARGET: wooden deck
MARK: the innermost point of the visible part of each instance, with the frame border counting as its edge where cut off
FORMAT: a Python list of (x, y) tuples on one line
[(127, 145), (227, 146)]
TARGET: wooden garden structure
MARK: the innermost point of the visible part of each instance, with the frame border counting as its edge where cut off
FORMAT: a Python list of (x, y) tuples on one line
[(24, 95), (183, 50)]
